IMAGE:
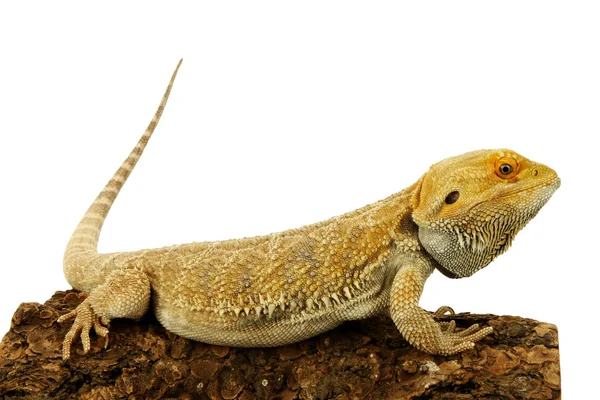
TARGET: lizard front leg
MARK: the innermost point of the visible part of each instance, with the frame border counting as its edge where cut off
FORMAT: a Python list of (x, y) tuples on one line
[(125, 294), (418, 326)]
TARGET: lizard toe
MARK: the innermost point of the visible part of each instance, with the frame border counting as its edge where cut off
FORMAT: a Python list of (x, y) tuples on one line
[(67, 317), (466, 332), (478, 335), (448, 327), (443, 310)]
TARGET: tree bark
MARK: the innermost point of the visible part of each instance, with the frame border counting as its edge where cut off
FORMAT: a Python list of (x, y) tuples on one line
[(359, 360)]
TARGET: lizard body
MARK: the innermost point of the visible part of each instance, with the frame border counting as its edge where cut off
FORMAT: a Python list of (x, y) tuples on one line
[(288, 286)]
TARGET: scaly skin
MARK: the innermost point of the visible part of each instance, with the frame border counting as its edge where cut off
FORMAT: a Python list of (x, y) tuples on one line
[(288, 286)]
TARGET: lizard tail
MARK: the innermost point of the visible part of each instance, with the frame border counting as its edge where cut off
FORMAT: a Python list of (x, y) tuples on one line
[(84, 241)]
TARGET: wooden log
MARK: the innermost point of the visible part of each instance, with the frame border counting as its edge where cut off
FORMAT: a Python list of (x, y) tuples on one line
[(359, 360)]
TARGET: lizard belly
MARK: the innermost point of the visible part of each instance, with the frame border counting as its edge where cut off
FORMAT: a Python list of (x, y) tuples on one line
[(283, 328), (208, 328)]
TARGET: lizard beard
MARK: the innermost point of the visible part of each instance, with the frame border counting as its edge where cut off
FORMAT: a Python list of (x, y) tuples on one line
[(460, 254)]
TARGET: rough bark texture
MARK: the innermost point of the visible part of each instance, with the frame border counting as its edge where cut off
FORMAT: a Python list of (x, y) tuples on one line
[(362, 359)]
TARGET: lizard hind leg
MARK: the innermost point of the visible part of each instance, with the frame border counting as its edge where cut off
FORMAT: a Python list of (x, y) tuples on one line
[(125, 294)]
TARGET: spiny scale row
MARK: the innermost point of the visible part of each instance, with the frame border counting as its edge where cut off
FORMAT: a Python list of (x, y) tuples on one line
[(266, 305)]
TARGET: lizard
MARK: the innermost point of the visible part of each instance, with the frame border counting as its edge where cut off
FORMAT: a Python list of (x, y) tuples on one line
[(285, 287)]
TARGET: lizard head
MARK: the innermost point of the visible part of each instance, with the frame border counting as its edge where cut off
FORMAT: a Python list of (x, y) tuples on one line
[(470, 207)]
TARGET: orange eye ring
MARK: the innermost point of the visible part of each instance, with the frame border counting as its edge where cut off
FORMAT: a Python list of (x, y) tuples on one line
[(506, 167)]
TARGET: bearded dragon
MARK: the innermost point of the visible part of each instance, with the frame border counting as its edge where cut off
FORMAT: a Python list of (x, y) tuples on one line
[(285, 287)]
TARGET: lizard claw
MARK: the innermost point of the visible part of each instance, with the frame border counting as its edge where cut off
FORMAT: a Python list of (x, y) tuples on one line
[(85, 319)]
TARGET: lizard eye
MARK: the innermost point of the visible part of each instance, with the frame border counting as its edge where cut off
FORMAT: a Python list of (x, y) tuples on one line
[(452, 197), (507, 167)]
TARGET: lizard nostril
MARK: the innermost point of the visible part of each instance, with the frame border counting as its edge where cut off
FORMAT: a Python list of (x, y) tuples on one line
[(534, 172)]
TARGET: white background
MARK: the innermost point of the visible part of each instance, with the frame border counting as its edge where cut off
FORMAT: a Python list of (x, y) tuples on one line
[(288, 113)]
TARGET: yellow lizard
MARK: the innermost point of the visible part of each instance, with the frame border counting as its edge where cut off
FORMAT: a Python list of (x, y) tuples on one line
[(288, 286)]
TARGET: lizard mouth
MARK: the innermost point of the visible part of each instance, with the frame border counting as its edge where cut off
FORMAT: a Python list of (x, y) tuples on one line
[(551, 185)]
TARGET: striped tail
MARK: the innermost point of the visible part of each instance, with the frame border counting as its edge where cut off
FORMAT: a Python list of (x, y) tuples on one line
[(84, 241)]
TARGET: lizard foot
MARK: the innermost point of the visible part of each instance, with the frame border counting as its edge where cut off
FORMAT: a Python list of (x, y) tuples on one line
[(455, 342), (85, 319), (461, 338), (451, 342)]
